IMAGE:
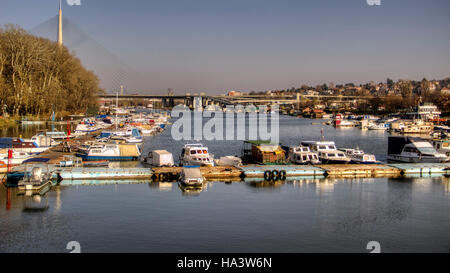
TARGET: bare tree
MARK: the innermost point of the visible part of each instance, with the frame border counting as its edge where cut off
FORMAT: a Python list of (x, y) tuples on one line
[(37, 76)]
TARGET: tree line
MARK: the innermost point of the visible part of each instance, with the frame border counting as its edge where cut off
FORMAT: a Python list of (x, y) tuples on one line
[(37, 76)]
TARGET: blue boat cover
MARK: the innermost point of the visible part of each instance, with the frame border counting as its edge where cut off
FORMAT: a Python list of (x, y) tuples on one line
[(38, 159)]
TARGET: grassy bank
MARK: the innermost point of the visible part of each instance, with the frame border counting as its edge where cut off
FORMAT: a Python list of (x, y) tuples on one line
[(8, 122)]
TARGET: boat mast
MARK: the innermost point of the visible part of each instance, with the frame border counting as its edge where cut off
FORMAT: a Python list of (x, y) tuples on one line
[(117, 107)]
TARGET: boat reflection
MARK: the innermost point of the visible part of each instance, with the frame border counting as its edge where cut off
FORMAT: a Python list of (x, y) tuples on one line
[(161, 186), (446, 183), (265, 184), (191, 190), (35, 201)]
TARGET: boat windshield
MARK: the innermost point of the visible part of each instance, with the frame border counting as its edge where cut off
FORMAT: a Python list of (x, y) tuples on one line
[(427, 150)]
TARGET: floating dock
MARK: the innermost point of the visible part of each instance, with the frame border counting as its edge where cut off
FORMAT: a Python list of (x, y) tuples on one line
[(100, 182), (224, 173), (360, 170), (290, 170), (103, 173), (72, 176), (422, 168)]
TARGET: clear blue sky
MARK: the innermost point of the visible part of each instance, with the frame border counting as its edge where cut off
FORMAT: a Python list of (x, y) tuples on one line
[(219, 45)]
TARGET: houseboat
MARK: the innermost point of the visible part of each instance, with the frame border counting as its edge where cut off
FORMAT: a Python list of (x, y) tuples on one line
[(358, 156), (263, 152), (428, 111), (413, 150), (196, 154), (328, 154), (417, 127), (302, 155)]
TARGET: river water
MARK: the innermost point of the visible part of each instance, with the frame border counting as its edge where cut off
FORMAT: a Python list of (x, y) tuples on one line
[(302, 215)]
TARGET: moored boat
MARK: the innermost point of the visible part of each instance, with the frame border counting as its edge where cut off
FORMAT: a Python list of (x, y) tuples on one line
[(159, 158), (35, 145), (302, 155), (413, 150), (111, 151), (191, 176), (358, 156), (35, 180), (328, 154), (196, 154), (442, 146)]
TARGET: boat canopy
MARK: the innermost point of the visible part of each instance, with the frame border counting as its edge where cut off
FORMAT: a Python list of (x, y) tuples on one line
[(192, 172)]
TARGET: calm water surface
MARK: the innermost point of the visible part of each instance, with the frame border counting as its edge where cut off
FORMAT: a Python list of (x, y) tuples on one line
[(304, 215)]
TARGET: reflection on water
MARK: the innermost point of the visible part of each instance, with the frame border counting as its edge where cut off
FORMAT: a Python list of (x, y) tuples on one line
[(265, 184), (32, 201), (187, 190), (298, 215), (27, 131)]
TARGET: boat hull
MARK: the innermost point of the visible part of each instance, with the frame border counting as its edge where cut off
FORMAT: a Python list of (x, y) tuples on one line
[(334, 161), (196, 163), (364, 162), (405, 159)]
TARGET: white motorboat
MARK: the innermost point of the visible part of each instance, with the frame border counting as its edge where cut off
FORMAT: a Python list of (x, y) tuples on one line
[(86, 128), (111, 151), (377, 126), (191, 176), (37, 144), (413, 150), (328, 154), (303, 155), (197, 155), (17, 158), (359, 157)]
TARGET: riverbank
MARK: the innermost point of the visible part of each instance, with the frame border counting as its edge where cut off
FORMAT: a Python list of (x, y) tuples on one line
[(8, 122)]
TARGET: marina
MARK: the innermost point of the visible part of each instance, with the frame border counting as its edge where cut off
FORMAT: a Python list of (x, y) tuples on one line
[(224, 135), (89, 157)]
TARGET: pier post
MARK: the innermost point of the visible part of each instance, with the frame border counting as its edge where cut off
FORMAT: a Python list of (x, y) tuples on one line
[(10, 153)]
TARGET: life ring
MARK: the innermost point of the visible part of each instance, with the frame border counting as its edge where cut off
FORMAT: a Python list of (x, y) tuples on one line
[(267, 175), (275, 175), (282, 175), (161, 176)]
